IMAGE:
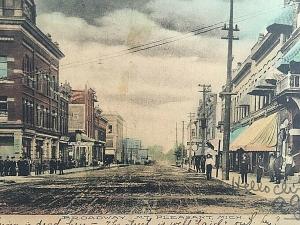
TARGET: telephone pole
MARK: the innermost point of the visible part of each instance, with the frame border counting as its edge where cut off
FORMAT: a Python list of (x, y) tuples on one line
[(227, 95), (176, 136), (190, 146), (203, 120), (182, 149)]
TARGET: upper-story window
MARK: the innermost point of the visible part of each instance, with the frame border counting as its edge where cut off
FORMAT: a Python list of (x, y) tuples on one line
[(110, 128), (3, 105), (3, 67), (27, 67)]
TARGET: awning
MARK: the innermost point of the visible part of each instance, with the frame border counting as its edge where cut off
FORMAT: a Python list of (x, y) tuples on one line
[(261, 136), (234, 134)]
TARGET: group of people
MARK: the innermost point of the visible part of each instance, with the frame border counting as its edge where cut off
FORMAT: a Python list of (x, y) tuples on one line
[(11, 167), (275, 166), (55, 165), (204, 164)]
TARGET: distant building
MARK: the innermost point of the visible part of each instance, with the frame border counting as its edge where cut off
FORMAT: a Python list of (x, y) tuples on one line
[(114, 137), (100, 135), (33, 106), (82, 126), (132, 150)]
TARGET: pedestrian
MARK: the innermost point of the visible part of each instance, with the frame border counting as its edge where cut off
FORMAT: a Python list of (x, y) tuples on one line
[(13, 167), (209, 164), (259, 169), (1, 167), (244, 168), (20, 167), (203, 159), (61, 167), (272, 167), (197, 163), (51, 165), (289, 165), (277, 168), (6, 166)]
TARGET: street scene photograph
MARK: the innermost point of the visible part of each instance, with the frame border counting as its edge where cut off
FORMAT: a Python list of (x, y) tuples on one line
[(149, 112)]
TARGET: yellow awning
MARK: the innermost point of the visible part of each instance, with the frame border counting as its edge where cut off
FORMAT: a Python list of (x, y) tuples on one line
[(259, 137)]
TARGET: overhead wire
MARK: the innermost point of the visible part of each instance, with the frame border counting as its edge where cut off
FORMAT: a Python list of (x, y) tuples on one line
[(161, 42)]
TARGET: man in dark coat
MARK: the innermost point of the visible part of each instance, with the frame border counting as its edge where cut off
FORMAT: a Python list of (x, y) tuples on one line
[(13, 167), (203, 164), (197, 163), (6, 166), (259, 169), (61, 167), (244, 168), (277, 168), (1, 166)]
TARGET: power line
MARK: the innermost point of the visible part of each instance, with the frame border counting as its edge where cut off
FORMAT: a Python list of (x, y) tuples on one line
[(158, 43)]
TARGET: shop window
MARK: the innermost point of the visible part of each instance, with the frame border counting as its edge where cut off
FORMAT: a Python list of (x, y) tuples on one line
[(3, 67), (3, 105)]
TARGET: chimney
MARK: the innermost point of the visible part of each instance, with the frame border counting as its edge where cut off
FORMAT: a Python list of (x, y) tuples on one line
[(49, 36), (260, 37)]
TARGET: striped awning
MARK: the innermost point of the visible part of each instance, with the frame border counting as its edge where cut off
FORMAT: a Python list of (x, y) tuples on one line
[(261, 136)]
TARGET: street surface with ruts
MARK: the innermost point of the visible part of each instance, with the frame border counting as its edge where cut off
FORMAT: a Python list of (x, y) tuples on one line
[(135, 189)]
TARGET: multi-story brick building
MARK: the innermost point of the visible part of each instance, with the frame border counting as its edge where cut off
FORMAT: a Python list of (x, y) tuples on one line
[(82, 125), (33, 108), (100, 135), (114, 137)]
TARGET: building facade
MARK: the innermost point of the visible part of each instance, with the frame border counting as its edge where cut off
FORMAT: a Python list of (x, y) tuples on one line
[(131, 150), (33, 107), (100, 123), (265, 110), (82, 126), (114, 137)]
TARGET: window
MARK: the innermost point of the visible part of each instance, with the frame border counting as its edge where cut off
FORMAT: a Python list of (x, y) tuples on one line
[(3, 105), (3, 67), (110, 129)]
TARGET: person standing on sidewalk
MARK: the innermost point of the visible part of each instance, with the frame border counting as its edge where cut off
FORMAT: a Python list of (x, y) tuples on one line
[(277, 167), (272, 168), (203, 159), (6, 166), (244, 168), (259, 169), (197, 163), (289, 165), (209, 165), (1, 166)]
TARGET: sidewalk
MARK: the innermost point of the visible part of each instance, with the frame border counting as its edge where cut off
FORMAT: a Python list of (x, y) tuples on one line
[(265, 189), (33, 177)]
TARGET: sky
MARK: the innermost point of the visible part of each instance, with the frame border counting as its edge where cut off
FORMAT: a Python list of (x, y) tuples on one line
[(155, 88)]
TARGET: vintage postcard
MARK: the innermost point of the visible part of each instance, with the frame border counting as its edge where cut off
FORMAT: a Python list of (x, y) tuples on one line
[(149, 112)]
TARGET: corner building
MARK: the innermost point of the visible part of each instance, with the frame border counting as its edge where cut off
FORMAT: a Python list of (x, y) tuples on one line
[(266, 108), (33, 107)]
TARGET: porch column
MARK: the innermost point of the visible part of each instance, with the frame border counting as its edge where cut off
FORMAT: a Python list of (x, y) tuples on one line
[(18, 144), (33, 155)]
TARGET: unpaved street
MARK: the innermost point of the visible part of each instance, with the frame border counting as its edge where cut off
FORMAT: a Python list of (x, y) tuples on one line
[(130, 190)]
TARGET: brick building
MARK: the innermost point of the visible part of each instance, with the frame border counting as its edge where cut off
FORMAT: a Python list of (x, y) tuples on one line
[(82, 125), (33, 108)]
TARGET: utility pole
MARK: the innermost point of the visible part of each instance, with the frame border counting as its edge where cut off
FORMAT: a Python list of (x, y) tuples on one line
[(182, 147), (203, 120), (227, 95), (190, 146), (176, 136)]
